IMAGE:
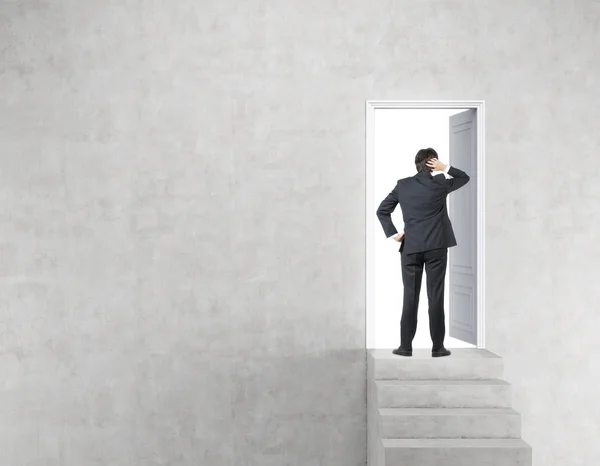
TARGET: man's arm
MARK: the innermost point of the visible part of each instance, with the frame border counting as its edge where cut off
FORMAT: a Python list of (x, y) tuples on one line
[(384, 214), (459, 177), (458, 180)]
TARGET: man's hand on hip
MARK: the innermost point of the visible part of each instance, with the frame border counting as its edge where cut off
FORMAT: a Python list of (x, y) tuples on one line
[(398, 237)]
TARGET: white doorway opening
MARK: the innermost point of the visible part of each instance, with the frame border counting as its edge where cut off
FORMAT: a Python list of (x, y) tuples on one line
[(395, 132)]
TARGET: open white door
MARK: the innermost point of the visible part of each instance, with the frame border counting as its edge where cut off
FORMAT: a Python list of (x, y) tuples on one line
[(463, 214)]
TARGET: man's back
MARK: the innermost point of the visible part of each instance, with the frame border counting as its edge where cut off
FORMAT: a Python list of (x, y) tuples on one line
[(422, 199)]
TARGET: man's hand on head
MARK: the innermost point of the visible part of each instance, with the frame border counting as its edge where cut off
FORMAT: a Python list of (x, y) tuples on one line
[(435, 164)]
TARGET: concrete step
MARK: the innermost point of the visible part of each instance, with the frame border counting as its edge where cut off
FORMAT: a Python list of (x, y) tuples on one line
[(456, 452), (442, 393), (439, 423), (463, 363)]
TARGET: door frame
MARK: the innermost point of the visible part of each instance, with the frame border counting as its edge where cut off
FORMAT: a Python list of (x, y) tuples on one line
[(371, 107)]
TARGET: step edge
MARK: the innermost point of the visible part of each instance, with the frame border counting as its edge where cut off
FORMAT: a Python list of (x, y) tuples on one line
[(384, 354), (455, 443), (442, 411), (455, 382)]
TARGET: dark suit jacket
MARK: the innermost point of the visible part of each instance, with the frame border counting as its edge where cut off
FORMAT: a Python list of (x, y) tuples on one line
[(422, 199)]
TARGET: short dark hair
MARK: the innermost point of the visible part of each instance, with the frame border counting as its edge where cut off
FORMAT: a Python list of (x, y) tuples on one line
[(422, 157)]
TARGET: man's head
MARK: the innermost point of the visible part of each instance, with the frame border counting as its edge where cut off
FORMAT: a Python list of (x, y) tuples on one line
[(422, 157)]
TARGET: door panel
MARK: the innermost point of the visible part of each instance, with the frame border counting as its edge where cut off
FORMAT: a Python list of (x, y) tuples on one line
[(463, 214)]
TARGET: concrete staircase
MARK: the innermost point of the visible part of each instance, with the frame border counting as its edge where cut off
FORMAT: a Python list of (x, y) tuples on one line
[(450, 411)]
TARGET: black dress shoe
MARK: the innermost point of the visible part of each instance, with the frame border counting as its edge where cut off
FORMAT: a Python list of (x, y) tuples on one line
[(402, 352), (440, 352)]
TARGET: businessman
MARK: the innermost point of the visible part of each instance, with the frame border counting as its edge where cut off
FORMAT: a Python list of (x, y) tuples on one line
[(424, 243)]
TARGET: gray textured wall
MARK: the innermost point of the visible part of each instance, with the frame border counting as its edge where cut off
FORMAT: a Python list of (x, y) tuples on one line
[(182, 222)]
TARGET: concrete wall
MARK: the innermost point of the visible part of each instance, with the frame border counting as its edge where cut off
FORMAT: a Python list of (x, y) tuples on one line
[(182, 221)]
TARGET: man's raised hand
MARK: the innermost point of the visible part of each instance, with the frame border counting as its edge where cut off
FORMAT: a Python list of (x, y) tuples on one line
[(435, 164)]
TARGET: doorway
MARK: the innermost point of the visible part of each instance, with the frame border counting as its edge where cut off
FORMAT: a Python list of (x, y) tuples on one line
[(395, 131)]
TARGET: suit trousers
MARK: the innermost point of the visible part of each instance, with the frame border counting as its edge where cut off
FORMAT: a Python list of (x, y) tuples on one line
[(434, 261)]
